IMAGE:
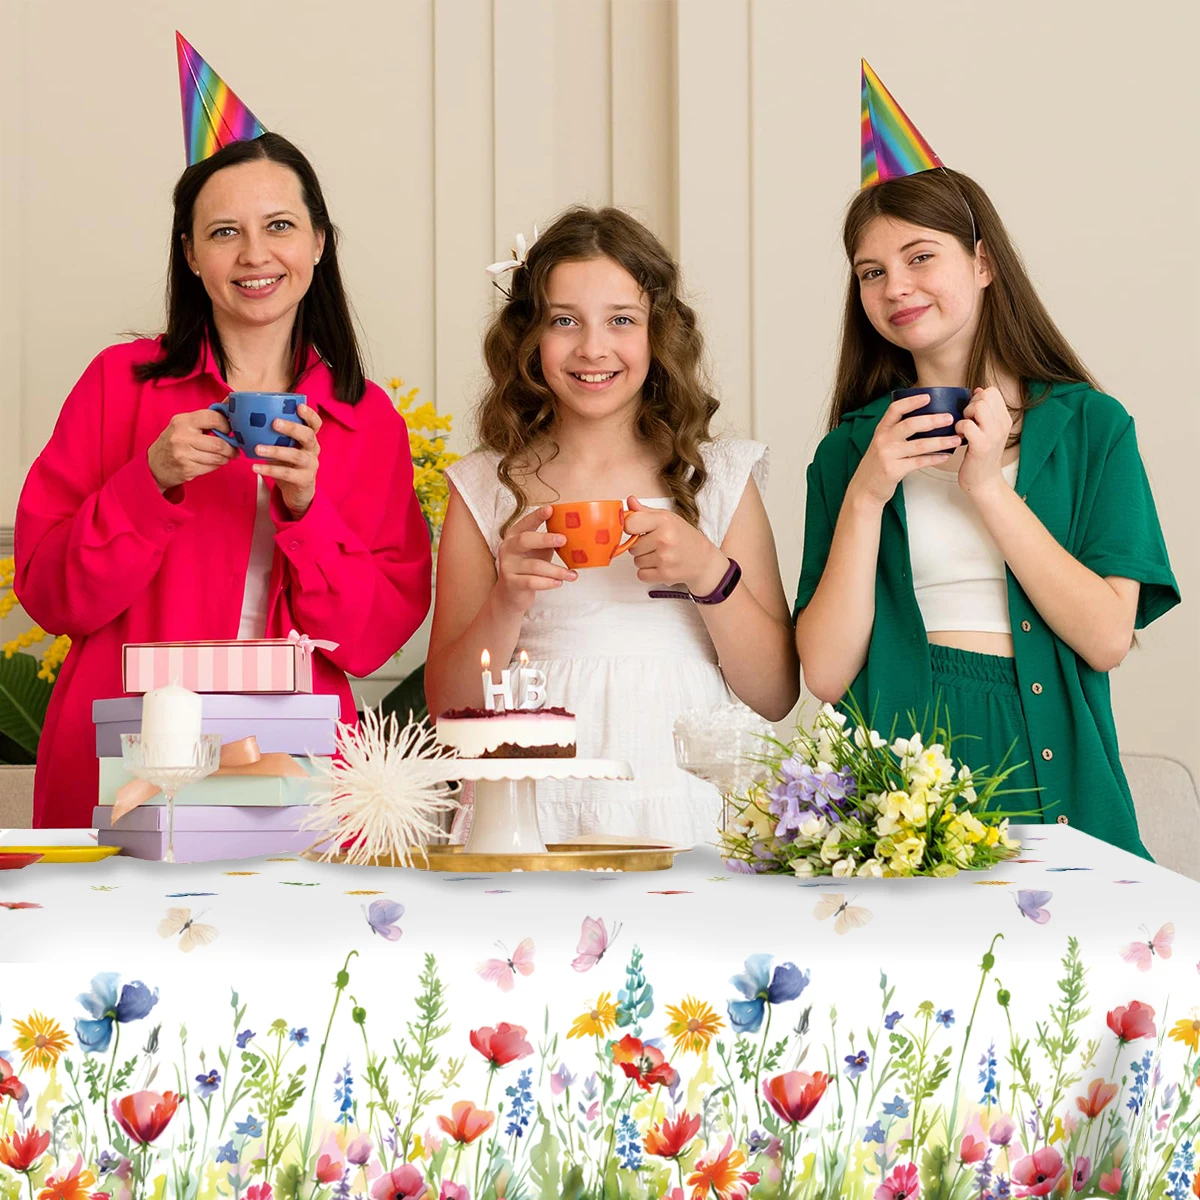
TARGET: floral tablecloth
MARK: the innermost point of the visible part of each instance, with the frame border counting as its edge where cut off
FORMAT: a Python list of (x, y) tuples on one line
[(279, 1028)]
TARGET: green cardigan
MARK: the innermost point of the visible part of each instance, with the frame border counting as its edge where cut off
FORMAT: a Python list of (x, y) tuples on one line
[(1081, 474)]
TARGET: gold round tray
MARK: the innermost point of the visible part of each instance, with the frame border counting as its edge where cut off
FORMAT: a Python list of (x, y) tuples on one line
[(573, 856)]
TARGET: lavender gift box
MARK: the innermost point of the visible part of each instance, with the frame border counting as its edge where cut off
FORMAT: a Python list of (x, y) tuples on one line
[(206, 833), (291, 724), (237, 791)]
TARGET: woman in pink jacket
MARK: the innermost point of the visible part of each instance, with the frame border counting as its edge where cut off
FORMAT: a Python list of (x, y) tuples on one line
[(136, 524)]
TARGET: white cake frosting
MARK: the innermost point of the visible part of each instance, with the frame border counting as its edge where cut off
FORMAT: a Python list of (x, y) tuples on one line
[(475, 736)]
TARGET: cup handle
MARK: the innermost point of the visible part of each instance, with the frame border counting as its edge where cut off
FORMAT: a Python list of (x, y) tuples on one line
[(223, 408)]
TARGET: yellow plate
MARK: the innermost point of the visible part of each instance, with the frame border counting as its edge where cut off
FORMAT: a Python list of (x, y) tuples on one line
[(572, 856), (65, 854)]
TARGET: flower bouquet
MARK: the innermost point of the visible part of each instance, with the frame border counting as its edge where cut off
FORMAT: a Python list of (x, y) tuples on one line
[(848, 803)]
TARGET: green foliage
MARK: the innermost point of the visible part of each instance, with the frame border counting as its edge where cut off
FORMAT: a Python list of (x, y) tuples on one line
[(23, 701), (635, 1001)]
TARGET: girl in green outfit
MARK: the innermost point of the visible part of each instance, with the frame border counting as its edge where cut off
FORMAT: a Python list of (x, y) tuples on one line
[(1000, 564)]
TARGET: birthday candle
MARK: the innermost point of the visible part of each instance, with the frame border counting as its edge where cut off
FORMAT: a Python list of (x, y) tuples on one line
[(497, 697)]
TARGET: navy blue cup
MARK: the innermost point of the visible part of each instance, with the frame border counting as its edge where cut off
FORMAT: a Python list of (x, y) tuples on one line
[(251, 416), (950, 400)]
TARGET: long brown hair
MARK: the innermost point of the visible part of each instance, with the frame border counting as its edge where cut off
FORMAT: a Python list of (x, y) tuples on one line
[(323, 318), (518, 410), (1015, 334)]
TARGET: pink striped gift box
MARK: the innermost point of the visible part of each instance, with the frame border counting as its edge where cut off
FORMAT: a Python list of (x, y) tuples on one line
[(266, 665)]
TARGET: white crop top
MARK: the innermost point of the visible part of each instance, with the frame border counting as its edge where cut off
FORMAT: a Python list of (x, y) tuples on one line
[(958, 572)]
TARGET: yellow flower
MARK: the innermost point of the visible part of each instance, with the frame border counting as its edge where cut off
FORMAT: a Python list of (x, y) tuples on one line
[(597, 1021), (40, 1040), (1187, 1032), (907, 854), (395, 383), (693, 1025)]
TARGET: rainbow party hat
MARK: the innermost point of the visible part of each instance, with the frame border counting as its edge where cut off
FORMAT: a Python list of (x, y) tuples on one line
[(891, 144), (213, 116)]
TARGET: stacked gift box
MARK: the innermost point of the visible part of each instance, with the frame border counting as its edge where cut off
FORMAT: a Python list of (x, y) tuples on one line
[(259, 689)]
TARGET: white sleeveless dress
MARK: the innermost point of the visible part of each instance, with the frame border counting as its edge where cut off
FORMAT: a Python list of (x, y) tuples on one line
[(625, 664)]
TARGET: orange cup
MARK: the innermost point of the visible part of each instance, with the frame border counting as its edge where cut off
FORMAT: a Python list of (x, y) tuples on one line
[(593, 529)]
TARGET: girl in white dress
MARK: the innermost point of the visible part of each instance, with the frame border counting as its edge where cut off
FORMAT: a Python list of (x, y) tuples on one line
[(596, 394)]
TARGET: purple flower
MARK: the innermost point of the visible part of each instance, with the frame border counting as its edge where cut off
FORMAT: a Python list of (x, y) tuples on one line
[(945, 1017), (206, 1085), (739, 866), (803, 792), (359, 1151), (243, 1038), (227, 1153), (874, 1133), (856, 1064), (299, 1036), (764, 1143), (889, 1022), (561, 1080)]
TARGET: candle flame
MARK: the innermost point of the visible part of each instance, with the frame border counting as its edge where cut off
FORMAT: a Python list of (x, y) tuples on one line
[(524, 659), (485, 660)]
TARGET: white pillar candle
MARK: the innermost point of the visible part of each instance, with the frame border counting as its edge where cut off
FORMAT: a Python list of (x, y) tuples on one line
[(172, 721)]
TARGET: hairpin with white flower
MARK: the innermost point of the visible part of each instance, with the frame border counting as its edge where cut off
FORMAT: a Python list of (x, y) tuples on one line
[(519, 254)]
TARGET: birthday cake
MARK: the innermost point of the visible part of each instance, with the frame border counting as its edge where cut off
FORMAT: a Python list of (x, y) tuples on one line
[(533, 733)]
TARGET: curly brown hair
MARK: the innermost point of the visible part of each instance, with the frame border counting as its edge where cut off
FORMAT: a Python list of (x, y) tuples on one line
[(517, 414), (1016, 333)]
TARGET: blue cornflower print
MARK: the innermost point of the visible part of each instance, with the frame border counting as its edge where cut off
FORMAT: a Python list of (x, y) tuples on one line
[(299, 1036), (889, 1022), (135, 1002), (874, 1133), (945, 1017), (896, 1108), (243, 1038), (206, 1085), (251, 1127), (761, 988)]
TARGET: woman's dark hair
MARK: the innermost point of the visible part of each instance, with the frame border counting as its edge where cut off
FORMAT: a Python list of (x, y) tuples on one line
[(1016, 334), (518, 411), (323, 321)]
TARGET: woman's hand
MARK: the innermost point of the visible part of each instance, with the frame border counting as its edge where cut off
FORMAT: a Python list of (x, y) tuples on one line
[(986, 426), (669, 550), (526, 563), (185, 450), (294, 469), (891, 456)]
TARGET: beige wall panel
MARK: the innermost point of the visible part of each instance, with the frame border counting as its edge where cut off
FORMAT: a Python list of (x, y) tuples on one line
[(713, 98), (463, 202), (643, 113), (523, 118), (14, 454)]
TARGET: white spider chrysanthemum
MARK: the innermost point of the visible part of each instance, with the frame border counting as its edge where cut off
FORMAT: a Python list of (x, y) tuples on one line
[(381, 798)]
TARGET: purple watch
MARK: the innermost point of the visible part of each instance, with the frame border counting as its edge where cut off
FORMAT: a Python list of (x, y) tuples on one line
[(720, 593)]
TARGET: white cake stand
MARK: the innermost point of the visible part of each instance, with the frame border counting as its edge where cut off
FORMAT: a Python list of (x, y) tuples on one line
[(505, 819)]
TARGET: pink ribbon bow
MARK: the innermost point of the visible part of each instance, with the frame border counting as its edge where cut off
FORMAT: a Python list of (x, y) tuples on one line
[(308, 645)]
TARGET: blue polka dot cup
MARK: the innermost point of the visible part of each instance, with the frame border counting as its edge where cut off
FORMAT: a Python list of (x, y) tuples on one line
[(251, 417)]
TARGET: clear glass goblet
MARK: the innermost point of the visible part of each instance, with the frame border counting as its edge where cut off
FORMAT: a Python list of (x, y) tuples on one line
[(724, 746), (158, 762)]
